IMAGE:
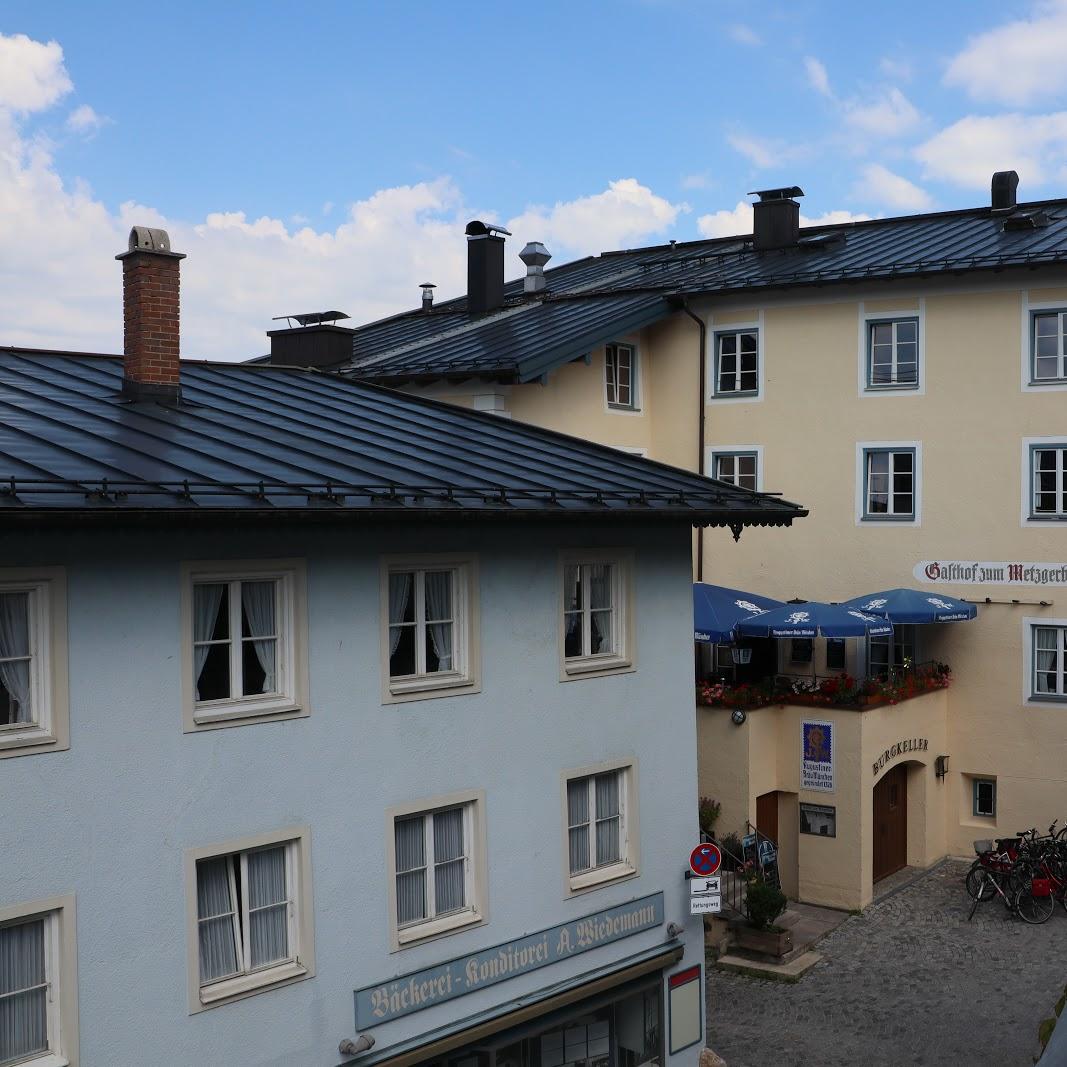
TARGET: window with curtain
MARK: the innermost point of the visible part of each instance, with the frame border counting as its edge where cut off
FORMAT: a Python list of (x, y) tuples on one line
[(893, 354), (737, 363), (433, 865), (1049, 673), (1048, 479), (1048, 347), (238, 639), (245, 912), (28, 994), (596, 833), (426, 623), (19, 643), (591, 610), (889, 484), (620, 370)]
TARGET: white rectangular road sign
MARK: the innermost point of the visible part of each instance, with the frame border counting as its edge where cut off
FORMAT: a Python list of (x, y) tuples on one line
[(705, 905), (704, 886)]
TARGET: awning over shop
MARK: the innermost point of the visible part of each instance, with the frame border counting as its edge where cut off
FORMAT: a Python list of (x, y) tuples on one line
[(717, 611), (911, 607), (814, 619)]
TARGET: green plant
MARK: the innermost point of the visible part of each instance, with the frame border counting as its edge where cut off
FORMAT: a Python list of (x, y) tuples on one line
[(709, 814), (765, 904), (732, 853)]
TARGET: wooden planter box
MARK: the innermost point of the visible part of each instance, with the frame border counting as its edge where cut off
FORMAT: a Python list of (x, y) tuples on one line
[(774, 943)]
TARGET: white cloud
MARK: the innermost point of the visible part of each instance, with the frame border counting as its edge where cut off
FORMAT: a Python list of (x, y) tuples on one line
[(759, 152), (884, 187), (739, 221), (696, 181), (1016, 63), (743, 34), (818, 79), (32, 75), (626, 213), (889, 115), (970, 150), (85, 120), (899, 70)]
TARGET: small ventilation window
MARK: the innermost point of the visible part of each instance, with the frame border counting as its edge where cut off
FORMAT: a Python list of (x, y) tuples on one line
[(817, 241), (1026, 220)]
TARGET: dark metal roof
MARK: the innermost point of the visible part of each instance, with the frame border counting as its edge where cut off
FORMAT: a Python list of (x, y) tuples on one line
[(254, 440), (595, 299)]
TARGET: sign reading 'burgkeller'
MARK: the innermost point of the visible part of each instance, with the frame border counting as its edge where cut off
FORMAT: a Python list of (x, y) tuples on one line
[(434, 985)]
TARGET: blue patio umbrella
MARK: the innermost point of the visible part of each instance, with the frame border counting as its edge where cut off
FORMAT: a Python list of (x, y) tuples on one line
[(717, 611), (909, 606), (814, 619)]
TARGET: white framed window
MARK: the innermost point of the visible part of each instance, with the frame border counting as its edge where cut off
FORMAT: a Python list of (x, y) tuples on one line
[(250, 916), (1048, 346), (1048, 480), (600, 820), (596, 632), (621, 377), (38, 984), (429, 625), (437, 867), (740, 465), (244, 642), (984, 798), (889, 482), (891, 351), (33, 662), (737, 355), (1047, 654)]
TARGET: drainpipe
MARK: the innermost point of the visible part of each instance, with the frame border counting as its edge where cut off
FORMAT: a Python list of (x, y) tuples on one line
[(683, 305)]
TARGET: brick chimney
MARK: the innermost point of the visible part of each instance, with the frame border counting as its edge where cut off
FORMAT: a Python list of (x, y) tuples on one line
[(150, 317)]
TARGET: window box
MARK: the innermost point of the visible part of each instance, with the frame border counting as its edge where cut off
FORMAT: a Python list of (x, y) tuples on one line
[(621, 378), (600, 810), (34, 713), (437, 864), (596, 634), (250, 923), (244, 629)]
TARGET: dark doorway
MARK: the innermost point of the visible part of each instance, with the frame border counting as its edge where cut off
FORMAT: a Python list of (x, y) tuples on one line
[(891, 823), (767, 815)]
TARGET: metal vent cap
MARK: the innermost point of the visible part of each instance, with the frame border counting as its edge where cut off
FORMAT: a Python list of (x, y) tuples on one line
[(147, 239)]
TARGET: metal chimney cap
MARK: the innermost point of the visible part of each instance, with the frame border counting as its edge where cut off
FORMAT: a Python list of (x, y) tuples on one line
[(427, 285), (535, 254), (477, 228), (784, 193)]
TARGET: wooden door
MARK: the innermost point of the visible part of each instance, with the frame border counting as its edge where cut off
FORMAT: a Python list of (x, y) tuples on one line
[(767, 815), (891, 823)]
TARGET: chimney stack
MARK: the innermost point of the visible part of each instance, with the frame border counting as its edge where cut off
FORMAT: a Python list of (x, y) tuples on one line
[(776, 218), (1003, 189), (150, 334), (485, 267), (535, 256)]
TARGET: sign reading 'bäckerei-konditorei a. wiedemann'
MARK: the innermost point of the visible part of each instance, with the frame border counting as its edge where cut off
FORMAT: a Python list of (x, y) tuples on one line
[(434, 985)]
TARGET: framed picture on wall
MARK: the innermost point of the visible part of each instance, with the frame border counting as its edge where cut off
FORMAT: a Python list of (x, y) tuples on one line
[(819, 820)]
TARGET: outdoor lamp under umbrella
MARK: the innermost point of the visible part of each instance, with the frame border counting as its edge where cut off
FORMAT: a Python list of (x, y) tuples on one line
[(911, 607), (815, 619)]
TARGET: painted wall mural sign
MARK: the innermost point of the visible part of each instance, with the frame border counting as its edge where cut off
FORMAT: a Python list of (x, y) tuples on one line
[(434, 985), (817, 755), (971, 572), (912, 744)]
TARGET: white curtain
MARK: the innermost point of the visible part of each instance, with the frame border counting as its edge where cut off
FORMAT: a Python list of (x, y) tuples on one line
[(218, 928), (449, 863), (600, 629), (399, 592), (607, 818), (268, 907), (24, 1016), (1045, 660), (206, 601), (258, 600), (578, 821), (15, 642), (411, 870), (439, 606)]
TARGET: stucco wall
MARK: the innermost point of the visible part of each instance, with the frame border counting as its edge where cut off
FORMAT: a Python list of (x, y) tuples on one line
[(109, 819)]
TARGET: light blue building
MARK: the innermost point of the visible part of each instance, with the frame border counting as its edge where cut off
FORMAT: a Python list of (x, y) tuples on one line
[(337, 726)]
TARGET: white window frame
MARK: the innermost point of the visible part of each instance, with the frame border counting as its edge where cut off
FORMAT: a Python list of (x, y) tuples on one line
[(291, 698), (976, 781), (300, 965), (734, 396), (61, 972), (1028, 344), (465, 676), (634, 407), (50, 732), (476, 911), (624, 657), (1031, 697), (713, 452), (866, 318), (629, 829), (862, 448), (1026, 515)]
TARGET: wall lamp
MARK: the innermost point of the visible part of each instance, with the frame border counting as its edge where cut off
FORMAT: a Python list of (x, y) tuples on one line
[(941, 766), (738, 716)]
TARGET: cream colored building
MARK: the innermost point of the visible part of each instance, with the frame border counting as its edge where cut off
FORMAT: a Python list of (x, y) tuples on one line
[(809, 362)]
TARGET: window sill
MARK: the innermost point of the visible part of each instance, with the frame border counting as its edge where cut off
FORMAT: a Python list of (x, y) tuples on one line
[(747, 394), (235, 712), (629, 409), (592, 666), (909, 387), (1044, 699), (600, 876), (411, 935), (428, 683), (1046, 518), (45, 1059), (246, 984), (27, 742), (889, 518)]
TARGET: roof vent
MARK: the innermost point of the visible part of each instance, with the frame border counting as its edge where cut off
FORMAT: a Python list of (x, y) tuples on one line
[(1003, 189), (817, 242), (427, 294), (146, 239), (535, 256), (1026, 220), (776, 218), (485, 267)]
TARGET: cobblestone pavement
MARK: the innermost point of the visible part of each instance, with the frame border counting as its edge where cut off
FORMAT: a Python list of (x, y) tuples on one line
[(909, 981)]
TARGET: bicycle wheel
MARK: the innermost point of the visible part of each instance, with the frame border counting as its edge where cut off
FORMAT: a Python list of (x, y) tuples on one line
[(976, 883), (977, 895), (1031, 909)]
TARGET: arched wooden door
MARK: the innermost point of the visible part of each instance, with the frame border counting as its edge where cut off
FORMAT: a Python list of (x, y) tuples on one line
[(890, 840)]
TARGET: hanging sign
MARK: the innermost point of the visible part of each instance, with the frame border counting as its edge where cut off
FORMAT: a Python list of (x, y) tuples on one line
[(970, 572), (817, 755)]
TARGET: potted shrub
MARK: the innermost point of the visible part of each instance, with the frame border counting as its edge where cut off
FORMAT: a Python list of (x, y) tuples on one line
[(765, 904)]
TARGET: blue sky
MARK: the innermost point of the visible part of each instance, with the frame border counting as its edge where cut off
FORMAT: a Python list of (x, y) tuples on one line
[(328, 155)]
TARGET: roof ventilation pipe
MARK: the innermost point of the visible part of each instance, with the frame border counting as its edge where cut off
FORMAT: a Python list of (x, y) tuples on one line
[(535, 256), (485, 267), (1003, 190), (427, 294), (776, 218)]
